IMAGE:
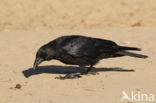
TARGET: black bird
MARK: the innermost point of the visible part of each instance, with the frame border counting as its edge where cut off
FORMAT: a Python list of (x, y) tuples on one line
[(83, 51)]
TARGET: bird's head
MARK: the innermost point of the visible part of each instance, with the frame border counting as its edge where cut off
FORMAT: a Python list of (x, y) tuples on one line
[(45, 53)]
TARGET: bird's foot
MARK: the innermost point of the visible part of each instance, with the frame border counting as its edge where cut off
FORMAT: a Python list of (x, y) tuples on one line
[(69, 76)]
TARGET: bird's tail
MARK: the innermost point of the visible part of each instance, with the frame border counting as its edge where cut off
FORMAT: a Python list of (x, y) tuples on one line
[(126, 53), (128, 48)]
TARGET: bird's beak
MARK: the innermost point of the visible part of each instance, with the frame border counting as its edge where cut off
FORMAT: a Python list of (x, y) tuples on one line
[(37, 62)]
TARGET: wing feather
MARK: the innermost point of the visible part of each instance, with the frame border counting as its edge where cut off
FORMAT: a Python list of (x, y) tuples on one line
[(79, 47)]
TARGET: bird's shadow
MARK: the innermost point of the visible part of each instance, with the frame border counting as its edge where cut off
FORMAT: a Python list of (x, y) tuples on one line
[(67, 70)]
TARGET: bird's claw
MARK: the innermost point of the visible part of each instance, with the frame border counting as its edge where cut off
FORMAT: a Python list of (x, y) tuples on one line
[(69, 76)]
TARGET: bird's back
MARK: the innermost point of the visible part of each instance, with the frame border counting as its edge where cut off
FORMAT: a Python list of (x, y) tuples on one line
[(74, 49), (84, 46)]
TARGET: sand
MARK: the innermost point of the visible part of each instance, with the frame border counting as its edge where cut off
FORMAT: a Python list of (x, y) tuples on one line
[(75, 14), (17, 54)]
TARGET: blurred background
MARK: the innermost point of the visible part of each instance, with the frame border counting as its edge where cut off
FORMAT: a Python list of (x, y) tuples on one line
[(75, 14)]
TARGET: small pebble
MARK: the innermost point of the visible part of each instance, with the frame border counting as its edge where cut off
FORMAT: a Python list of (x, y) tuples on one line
[(18, 86)]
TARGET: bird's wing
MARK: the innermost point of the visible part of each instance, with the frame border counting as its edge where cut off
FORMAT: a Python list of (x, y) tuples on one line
[(88, 47)]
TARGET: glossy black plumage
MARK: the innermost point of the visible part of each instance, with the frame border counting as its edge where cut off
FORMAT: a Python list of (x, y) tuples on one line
[(82, 51)]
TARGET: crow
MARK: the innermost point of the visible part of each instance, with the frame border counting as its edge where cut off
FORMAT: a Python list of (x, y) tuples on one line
[(82, 51)]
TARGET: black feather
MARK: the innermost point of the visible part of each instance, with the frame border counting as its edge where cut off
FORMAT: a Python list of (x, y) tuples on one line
[(82, 50), (126, 53), (128, 48)]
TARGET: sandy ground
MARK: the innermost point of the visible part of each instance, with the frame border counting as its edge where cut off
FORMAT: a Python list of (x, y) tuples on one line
[(17, 53), (75, 14)]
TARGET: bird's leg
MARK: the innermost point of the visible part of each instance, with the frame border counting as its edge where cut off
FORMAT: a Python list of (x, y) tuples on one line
[(69, 76), (91, 66), (85, 70)]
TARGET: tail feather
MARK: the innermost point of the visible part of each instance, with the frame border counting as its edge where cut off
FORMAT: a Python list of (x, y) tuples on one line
[(126, 53), (128, 48)]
